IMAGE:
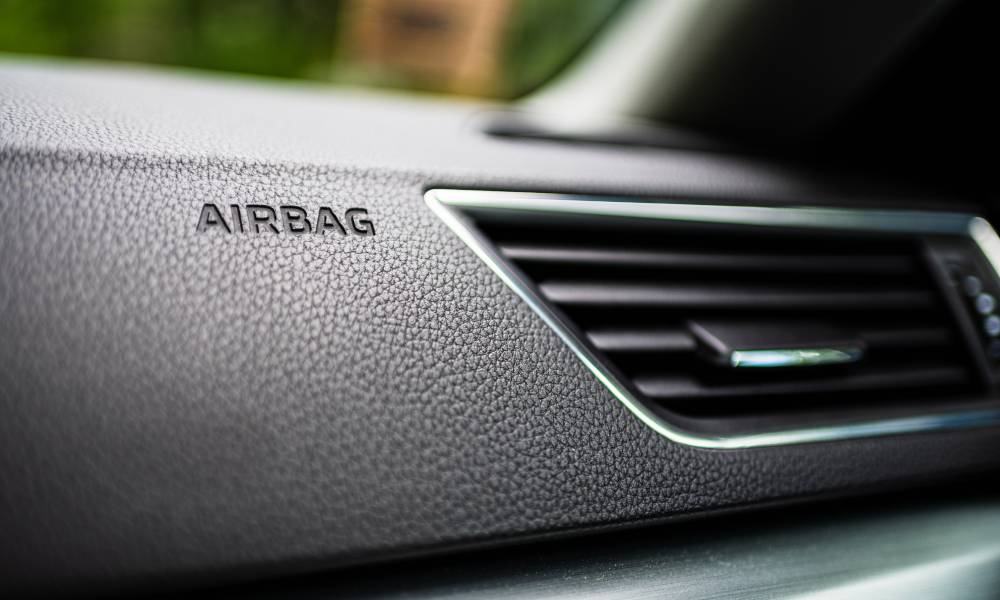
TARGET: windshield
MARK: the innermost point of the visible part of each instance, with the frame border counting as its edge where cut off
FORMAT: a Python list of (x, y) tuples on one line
[(488, 48)]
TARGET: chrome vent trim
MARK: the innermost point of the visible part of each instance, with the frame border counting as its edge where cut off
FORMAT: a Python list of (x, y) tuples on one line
[(446, 203)]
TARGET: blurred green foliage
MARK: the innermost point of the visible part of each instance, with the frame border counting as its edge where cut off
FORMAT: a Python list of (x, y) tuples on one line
[(280, 38), (545, 35)]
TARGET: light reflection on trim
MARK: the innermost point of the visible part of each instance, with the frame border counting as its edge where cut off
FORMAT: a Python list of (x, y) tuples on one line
[(796, 357)]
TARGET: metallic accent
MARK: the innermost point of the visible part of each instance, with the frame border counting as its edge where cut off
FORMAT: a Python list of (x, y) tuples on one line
[(444, 203), (797, 357)]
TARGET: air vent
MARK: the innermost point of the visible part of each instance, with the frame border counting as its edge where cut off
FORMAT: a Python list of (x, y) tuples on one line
[(637, 297), (737, 321)]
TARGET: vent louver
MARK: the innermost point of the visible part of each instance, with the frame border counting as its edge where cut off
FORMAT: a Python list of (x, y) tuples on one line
[(635, 292), (633, 295)]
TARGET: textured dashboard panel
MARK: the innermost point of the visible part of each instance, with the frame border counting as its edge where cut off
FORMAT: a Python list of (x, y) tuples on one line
[(176, 403)]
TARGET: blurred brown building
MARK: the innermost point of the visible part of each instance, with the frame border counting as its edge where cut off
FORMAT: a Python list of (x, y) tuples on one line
[(449, 45)]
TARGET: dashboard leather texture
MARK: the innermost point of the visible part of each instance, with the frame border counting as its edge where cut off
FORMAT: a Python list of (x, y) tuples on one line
[(176, 404)]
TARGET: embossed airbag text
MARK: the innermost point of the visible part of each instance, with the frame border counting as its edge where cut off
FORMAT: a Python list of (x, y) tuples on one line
[(293, 220)]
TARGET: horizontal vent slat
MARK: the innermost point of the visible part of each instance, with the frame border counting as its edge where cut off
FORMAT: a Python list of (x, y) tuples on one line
[(680, 340), (664, 388), (918, 337), (672, 297), (642, 340), (568, 255)]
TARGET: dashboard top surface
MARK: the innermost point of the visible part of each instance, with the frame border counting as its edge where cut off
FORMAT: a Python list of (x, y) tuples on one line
[(84, 107)]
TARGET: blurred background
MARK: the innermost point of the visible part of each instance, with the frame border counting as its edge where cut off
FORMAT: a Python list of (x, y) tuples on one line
[(489, 48)]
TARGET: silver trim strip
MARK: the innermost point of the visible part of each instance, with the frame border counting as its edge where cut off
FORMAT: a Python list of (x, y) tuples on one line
[(444, 203)]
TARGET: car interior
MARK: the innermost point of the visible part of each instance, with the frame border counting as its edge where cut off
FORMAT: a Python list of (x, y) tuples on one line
[(499, 299)]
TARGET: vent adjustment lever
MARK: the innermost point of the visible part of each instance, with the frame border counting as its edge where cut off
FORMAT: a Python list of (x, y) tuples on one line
[(775, 345)]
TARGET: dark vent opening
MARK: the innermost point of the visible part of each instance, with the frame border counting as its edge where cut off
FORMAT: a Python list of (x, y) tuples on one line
[(631, 288)]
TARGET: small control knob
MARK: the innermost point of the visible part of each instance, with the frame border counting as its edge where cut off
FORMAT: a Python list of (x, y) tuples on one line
[(985, 303), (972, 286)]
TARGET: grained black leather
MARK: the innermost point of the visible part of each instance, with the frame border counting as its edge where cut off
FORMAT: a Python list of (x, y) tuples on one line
[(175, 404)]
